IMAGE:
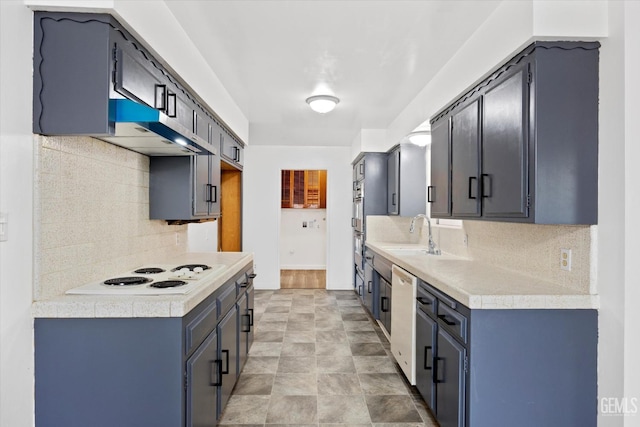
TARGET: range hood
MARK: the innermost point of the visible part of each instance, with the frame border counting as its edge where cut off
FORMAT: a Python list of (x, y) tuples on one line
[(148, 131)]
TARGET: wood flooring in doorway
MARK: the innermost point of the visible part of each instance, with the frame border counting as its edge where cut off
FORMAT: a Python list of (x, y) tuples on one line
[(303, 279)]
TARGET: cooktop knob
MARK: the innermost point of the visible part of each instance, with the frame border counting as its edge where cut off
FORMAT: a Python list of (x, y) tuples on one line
[(198, 270)]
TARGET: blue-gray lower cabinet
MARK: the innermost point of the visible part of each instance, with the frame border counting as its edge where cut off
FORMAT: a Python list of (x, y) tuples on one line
[(510, 367), (132, 372), (450, 378), (385, 304), (203, 378), (244, 327), (228, 340), (368, 290), (426, 339), (250, 305)]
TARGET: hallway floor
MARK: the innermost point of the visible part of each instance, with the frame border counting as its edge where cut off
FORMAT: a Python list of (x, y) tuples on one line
[(319, 359)]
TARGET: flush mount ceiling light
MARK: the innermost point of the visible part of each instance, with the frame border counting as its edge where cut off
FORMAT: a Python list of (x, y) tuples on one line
[(421, 138), (322, 103)]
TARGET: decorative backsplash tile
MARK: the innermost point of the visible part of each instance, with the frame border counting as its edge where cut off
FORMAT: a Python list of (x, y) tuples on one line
[(529, 249), (91, 214)]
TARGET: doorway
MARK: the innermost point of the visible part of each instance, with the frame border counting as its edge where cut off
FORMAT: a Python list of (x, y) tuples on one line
[(303, 229)]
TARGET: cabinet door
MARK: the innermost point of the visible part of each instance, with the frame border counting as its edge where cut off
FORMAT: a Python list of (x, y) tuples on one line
[(359, 284), (243, 330), (385, 304), (439, 192), (450, 380), (426, 333), (504, 146), (201, 190), (368, 287), (250, 305), (181, 108), (239, 154), (203, 372), (136, 78), (214, 185), (230, 149), (393, 183), (228, 338), (227, 146), (201, 124), (465, 161)]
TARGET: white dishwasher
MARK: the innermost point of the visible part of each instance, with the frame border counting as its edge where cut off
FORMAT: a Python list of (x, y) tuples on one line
[(403, 321)]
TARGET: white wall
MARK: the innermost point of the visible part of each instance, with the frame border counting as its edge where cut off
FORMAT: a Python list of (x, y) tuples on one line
[(203, 237), (261, 208), (632, 225), (16, 193), (303, 248), (610, 244)]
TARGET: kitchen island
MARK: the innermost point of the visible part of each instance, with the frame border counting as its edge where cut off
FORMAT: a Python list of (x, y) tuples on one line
[(132, 360)]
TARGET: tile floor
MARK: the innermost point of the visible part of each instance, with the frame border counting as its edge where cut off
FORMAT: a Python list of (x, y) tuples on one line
[(319, 359)]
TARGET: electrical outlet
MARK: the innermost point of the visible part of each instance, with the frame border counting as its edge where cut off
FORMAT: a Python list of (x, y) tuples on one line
[(565, 259)]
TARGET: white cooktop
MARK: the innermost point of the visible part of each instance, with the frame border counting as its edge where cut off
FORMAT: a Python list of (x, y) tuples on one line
[(193, 279)]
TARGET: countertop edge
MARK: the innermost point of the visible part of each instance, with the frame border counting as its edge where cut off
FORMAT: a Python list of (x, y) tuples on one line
[(563, 298), (132, 306)]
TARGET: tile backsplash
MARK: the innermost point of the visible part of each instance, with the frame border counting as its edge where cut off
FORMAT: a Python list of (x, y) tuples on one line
[(91, 214), (529, 249)]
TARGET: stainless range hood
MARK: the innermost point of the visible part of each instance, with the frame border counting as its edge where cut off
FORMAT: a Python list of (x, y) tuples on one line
[(148, 131)]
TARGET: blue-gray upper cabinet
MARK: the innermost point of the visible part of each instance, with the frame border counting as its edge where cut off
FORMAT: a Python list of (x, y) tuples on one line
[(393, 182), (184, 188), (231, 150), (524, 141), (82, 61), (136, 78), (439, 192), (406, 180), (465, 166)]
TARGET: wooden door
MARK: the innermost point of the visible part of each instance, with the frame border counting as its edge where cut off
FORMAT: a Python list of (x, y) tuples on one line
[(230, 223)]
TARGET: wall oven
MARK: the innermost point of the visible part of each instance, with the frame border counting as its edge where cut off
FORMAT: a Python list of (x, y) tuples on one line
[(357, 221), (358, 245)]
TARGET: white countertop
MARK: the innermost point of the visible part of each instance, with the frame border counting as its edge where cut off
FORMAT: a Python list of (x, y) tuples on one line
[(88, 306), (479, 286)]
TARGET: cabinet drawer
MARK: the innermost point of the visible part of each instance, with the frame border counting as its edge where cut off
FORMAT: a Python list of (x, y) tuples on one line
[(382, 266), (226, 300), (453, 321), (200, 326), (242, 283), (426, 302)]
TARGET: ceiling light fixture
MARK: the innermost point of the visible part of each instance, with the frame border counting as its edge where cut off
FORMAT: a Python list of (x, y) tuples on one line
[(322, 103), (421, 138)]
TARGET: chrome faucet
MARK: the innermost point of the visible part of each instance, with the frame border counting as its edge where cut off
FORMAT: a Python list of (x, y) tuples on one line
[(432, 246)]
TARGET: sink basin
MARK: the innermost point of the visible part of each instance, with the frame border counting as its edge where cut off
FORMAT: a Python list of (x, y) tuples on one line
[(400, 252)]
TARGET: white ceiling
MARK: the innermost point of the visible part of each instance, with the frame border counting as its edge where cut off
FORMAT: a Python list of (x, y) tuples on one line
[(373, 55)]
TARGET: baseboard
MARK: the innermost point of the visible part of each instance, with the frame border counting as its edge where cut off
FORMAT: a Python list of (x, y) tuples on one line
[(303, 267)]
